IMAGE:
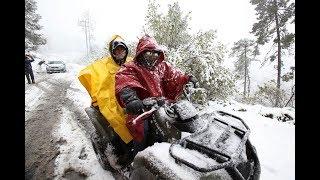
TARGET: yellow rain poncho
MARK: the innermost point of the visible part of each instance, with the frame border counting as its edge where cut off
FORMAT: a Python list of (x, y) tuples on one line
[(99, 80)]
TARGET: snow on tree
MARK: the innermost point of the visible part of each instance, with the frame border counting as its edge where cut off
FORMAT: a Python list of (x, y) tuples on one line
[(273, 18), (268, 94), (245, 50), (33, 39), (289, 76), (198, 54)]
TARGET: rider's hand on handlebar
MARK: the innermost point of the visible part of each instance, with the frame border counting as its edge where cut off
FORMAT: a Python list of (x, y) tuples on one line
[(194, 81), (135, 107)]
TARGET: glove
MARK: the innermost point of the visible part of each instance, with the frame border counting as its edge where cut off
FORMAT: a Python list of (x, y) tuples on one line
[(135, 107), (194, 81), (132, 103)]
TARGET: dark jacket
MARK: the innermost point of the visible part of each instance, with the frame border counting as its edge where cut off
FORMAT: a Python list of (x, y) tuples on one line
[(27, 63)]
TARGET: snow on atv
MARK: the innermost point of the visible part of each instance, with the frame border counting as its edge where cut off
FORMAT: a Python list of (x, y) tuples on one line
[(193, 146)]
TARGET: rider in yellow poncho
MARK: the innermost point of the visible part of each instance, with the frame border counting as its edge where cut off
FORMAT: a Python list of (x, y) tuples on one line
[(99, 80)]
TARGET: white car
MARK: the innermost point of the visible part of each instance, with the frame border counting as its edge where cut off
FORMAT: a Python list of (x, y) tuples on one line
[(56, 66)]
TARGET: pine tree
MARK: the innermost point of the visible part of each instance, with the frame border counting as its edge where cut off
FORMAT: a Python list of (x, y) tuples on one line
[(33, 39), (245, 50), (197, 54), (170, 29), (273, 17)]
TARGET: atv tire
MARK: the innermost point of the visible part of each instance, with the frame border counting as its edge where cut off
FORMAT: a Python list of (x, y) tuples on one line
[(99, 151)]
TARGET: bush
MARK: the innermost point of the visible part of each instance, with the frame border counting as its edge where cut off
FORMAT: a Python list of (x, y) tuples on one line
[(268, 93)]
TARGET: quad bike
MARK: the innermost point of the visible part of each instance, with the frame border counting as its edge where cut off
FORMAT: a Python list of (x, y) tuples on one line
[(194, 145)]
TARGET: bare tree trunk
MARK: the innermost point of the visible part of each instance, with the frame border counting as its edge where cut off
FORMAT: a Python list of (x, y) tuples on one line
[(245, 71), (289, 100), (85, 24), (89, 39), (279, 55), (86, 32), (293, 92), (248, 85)]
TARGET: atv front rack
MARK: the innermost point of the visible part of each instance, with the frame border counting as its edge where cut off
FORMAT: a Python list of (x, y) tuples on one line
[(225, 159)]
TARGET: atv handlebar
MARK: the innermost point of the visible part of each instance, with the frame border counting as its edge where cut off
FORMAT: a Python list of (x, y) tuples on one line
[(144, 115), (154, 103), (151, 104)]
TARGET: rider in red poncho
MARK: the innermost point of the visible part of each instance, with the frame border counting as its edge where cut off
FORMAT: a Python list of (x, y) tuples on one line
[(148, 75)]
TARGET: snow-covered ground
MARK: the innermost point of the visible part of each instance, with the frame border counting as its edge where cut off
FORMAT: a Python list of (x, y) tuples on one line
[(76, 152), (274, 140)]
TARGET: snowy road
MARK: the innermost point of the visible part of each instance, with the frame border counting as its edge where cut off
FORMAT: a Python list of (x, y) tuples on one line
[(42, 115), (56, 143)]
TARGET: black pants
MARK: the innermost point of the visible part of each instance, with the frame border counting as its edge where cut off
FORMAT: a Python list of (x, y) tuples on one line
[(29, 74), (127, 152), (150, 137)]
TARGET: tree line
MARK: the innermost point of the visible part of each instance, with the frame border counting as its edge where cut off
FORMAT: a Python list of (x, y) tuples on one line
[(202, 55)]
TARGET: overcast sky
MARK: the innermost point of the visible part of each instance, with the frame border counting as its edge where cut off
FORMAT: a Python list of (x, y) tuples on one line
[(233, 19)]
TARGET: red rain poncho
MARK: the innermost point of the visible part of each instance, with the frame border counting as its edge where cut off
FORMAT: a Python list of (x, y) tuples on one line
[(162, 81)]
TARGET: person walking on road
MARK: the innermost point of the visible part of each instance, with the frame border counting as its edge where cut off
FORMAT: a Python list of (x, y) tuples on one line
[(28, 68)]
